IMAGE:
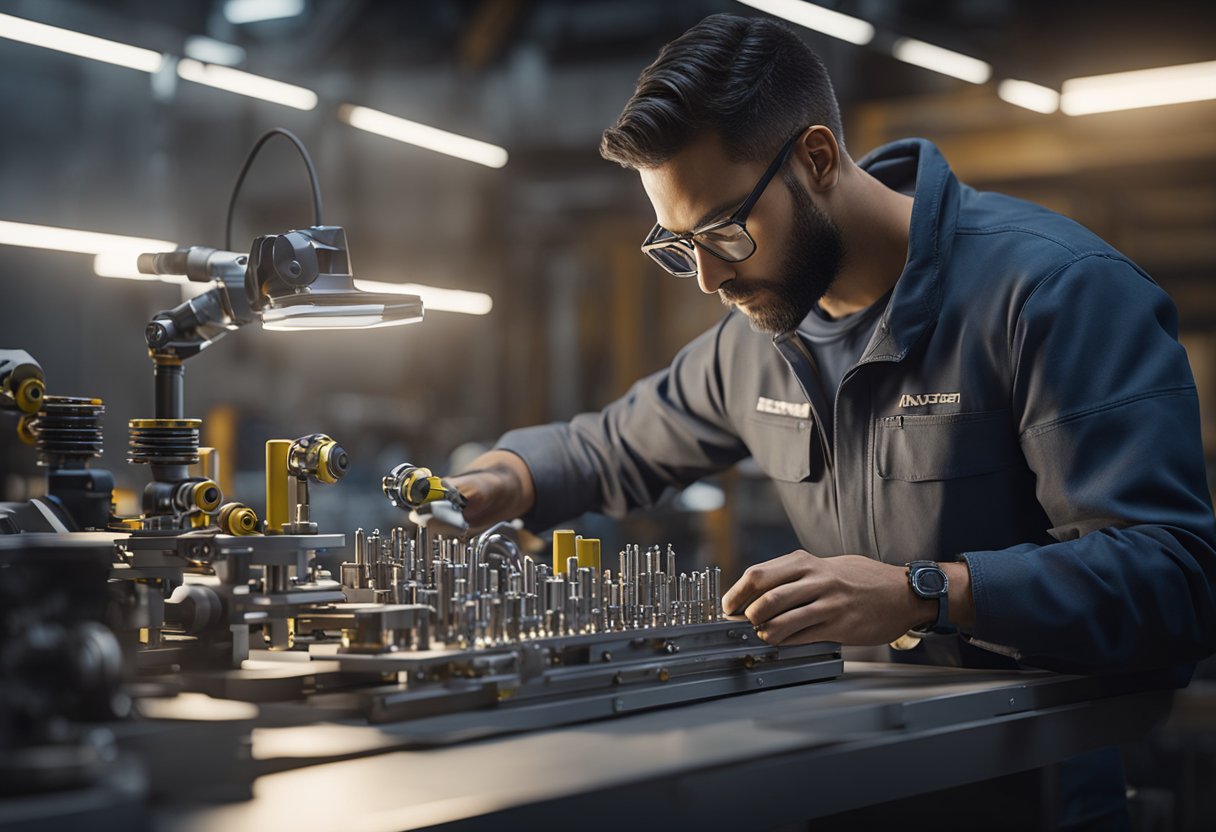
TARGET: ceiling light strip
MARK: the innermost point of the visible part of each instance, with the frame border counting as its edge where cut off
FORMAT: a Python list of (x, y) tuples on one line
[(825, 21), (422, 135), (77, 43), (1154, 87), (945, 61), (245, 83)]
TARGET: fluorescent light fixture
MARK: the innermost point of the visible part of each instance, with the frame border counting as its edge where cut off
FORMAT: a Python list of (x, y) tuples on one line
[(421, 135), (316, 316), (245, 83), (70, 239), (1139, 88), (434, 299), (76, 43), (1031, 96), (954, 64), (122, 265), (212, 51), (255, 11), (853, 29)]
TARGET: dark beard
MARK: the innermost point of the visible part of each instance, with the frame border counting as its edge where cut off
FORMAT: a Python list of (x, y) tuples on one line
[(810, 265)]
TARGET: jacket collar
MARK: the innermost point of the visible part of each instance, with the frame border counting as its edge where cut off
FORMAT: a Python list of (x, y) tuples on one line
[(916, 299)]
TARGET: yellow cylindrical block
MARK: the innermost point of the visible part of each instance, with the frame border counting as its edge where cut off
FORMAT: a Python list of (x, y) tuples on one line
[(563, 547), (588, 549), (278, 500)]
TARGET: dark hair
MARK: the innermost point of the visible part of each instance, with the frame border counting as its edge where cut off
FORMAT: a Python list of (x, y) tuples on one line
[(751, 79)]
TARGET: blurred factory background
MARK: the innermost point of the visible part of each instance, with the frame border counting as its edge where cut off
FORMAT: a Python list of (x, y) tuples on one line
[(566, 313)]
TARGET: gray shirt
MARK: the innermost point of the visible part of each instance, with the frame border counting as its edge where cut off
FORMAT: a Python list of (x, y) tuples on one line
[(837, 343)]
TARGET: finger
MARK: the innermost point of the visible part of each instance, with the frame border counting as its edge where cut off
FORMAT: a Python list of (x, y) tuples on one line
[(780, 599), (762, 577), (781, 627)]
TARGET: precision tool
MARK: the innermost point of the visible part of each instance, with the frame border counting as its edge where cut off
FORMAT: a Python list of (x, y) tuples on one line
[(316, 458)]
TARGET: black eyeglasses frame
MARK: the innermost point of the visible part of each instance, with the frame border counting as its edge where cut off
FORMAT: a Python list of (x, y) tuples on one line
[(685, 243)]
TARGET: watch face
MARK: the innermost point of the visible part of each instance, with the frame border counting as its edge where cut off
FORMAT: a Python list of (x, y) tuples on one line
[(930, 581)]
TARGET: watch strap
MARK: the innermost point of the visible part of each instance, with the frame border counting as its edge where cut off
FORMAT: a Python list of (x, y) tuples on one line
[(942, 625)]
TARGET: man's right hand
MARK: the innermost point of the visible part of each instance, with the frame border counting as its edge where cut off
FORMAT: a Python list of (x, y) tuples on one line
[(498, 486)]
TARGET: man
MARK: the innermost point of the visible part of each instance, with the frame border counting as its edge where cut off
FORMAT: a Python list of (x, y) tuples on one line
[(927, 372)]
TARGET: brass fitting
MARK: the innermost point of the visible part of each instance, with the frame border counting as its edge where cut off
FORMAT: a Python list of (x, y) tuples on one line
[(25, 429), (28, 395), (237, 519), (206, 495)]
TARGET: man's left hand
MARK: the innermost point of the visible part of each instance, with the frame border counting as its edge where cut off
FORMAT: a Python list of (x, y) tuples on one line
[(800, 598)]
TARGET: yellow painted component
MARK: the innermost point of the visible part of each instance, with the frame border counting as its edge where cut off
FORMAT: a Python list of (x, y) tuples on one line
[(207, 496), (278, 508), (563, 547), (198, 520), (413, 495), (238, 519), (323, 472), (28, 395), (25, 429), (165, 423), (133, 523), (143, 635), (588, 549), (435, 490)]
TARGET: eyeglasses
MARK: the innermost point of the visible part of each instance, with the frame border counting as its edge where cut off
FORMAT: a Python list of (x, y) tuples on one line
[(725, 239)]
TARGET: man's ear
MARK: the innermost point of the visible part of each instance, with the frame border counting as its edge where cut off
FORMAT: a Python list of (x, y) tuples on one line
[(820, 154)]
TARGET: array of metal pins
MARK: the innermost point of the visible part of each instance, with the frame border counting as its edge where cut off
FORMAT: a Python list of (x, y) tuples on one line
[(483, 599)]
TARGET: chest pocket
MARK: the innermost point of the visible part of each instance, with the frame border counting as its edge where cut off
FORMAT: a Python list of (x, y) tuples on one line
[(945, 447), (781, 445)]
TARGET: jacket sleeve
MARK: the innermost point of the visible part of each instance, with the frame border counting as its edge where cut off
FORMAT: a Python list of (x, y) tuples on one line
[(670, 429), (1109, 423)]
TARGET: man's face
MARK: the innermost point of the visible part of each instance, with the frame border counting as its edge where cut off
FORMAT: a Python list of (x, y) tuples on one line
[(798, 248)]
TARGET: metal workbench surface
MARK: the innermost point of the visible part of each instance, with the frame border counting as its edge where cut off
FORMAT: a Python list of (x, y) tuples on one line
[(743, 762)]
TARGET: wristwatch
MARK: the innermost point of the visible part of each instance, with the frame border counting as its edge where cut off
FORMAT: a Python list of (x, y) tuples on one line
[(928, 580)]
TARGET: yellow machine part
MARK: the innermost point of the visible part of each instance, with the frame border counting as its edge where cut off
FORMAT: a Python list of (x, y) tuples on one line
[(563, 548), (324, 474), (25, 429), (207, 496), (237, 519), (435, 490), (278, 503), (163, 423), (28, 395), (588, 549)]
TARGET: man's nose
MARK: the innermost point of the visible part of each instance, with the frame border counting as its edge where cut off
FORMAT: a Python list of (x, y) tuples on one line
[(712, 271)]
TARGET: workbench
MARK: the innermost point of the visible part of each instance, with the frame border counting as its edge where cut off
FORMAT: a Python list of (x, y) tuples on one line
[(880, 732)]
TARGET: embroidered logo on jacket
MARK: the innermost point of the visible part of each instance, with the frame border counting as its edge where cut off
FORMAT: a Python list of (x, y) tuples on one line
[(928, 398), (798, 410)]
